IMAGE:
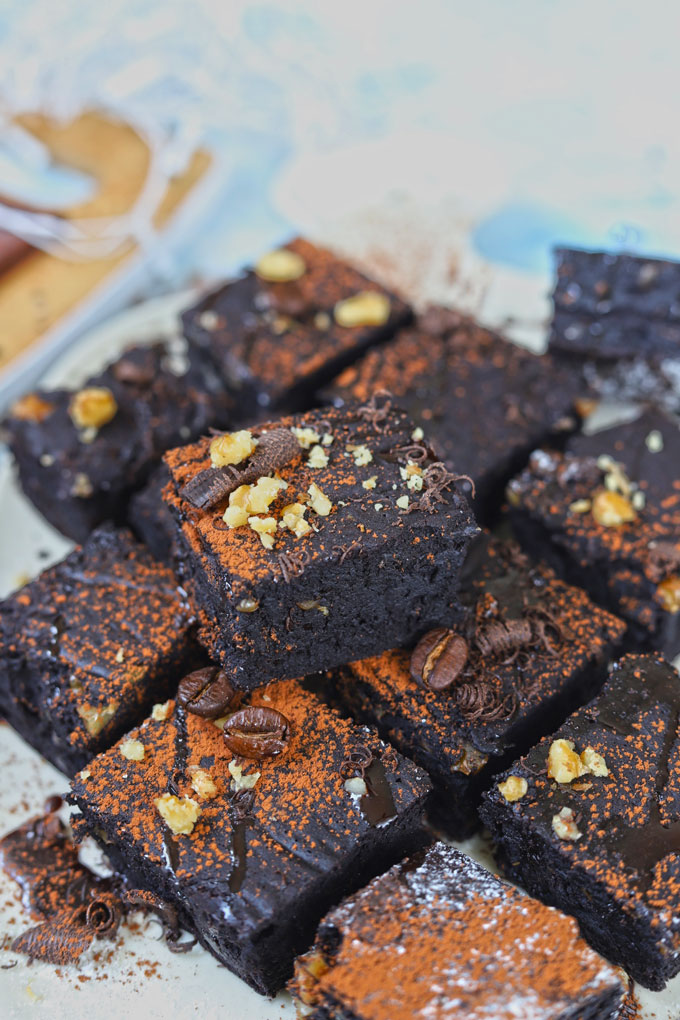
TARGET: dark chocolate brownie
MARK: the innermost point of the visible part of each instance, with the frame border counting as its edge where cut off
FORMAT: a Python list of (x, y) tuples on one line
[(253, 852), (81, 454), (597, 829), (617, 320), (149, 517), (485, 403), (533, 649), (290, 325), (331, 553), (89, 645), (606, 515), (440, 937)]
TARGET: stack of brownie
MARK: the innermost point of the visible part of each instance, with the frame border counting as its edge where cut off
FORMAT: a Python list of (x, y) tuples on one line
[(311, 659)]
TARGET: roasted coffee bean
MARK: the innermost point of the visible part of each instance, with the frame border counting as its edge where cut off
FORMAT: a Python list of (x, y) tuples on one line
[(257, 733), (207, 692), (439, 658)]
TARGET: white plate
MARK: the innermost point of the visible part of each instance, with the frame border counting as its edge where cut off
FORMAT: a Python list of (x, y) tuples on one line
[(136, 976)]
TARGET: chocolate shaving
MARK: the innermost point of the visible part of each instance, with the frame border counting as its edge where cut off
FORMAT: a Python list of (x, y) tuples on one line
[(356, 762), (346, 551), (538, 627), (292, 564), (61, 940), (275, 449), (375, 413), (480, 701), (142, 899), (436, 478)]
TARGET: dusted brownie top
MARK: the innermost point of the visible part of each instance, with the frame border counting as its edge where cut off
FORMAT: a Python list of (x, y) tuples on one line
[(297, 316), (94, 631), (439, 936), (614, 498), (479, 397), (526, 640), (313, 489), (241, 827), (605, 791), (616, 305), (106, 435)]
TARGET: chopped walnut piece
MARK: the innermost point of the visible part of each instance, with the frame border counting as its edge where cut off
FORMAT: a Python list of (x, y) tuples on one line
[(280, 266), (356, 786), (668, 593), (611, 509), (132, 749), (306, 437), (160, 712), (417, 434), (319, 502), (514, 788), (594, 762), (318, 458), (180, 814), (239, 781), (361, 454), (293, 518), (564, 765), (95, 719), (31, 408), (308, 969), (369, 483), (402, 502), (231, 448), (202, 783), (580, 506), (265, 528), (564, 825), (248, 500), (368, 308), (92, 407)]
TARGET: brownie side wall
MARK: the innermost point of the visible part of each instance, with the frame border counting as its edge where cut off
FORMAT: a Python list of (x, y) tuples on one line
[(264, 959), (623, 937)]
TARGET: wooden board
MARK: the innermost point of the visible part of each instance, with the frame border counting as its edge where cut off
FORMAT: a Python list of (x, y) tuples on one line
[(39, 291)]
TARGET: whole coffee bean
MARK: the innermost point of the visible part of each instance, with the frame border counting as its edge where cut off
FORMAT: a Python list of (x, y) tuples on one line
[(439, 658), (257, 733), (207, 692)]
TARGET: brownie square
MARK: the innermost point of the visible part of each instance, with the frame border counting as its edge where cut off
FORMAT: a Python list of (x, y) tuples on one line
[(324, 550), (439, 936), (290, 324), (606, 515), (534, 649), (597, 829), (484, 402), (253, 852), (89, 645), (81, 454), (617, 321)]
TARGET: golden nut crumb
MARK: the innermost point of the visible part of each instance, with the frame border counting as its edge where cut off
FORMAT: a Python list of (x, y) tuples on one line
[(238, 780), (319, 502), (92, 407), (280, 266), (368, 308), (654, 441), (231, 448), (202, 783), (293, 518), (356, 786), (514, 788), (160, 712), (131, 749), (611, 509), (120, 654), (580, 506), (85, 774), (308, 969), (564, 765), (82, 486), (402, 502), (594, 763), (369, 483), (95, 719), (31, 408), (361, 454), (564, 825), (248, 500), (306, 437), (180, 814), (265, 528), (668, 593), (417, 434), (322, 321), (318, 458)]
